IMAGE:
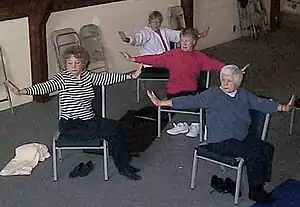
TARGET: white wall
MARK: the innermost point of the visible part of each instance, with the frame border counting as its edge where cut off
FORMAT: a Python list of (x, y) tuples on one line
[(14, 40), (220, 16), (129, 16)]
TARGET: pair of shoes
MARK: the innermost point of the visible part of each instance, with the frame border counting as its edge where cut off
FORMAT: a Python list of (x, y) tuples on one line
[(223, 186), (182, 128), (130, 172), (260, 196), (82, 170)]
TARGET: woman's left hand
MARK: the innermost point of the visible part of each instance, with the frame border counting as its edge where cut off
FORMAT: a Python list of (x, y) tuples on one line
[(290, 105), (138, 71)]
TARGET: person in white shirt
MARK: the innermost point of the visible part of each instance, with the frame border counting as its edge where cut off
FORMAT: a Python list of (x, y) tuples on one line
[(154, 39)]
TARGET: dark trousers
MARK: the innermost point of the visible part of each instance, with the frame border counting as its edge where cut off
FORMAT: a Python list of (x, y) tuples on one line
[(258, 156), (99, 128)]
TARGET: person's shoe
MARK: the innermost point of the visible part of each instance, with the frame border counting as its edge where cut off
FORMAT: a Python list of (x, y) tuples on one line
[(133, 169), (260, 196), (179, 128), (217, 184), (86, 169), (230, 187), (76, 171), (193, 130), (130, 175)]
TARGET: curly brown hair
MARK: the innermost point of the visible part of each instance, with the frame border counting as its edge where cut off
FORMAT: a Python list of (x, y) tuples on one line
[(78, 52)]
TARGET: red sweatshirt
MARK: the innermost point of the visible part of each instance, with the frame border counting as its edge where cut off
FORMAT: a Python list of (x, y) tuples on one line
[(184, 67)]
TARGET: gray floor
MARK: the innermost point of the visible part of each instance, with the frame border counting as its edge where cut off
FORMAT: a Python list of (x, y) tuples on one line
[(166, 165)]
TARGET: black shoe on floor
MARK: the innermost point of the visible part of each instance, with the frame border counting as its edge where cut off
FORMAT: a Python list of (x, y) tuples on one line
[(130, 175), (86, 169), (261, 196), (217, 184), (132, 169), (230, 186), (76, 171)]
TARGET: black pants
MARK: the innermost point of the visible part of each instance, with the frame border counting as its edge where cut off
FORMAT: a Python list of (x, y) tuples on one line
[(99, 128), (258, 156)]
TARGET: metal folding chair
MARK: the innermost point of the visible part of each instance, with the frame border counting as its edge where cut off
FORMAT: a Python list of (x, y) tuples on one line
[(92, 41), (8, 96), (296, 108), (197, 112), (62, 39), (259, 125), (59, 143)]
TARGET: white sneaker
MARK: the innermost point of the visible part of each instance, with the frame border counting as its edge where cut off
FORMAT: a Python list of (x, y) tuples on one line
[(179, 128), (194, 130)]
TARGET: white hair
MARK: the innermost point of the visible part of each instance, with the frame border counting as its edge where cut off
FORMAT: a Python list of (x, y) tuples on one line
[(234, 71)]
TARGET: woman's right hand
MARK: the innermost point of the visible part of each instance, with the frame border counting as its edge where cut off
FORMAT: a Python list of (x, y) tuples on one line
[(123, 36), (127, 56), (14, 88)]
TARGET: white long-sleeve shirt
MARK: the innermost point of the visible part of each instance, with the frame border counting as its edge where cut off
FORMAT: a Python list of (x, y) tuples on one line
[(150, 43)]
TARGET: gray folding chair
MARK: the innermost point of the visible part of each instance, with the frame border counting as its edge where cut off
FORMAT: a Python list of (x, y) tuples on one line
[(60, 143), (259, 126), (62, 39), (197, 112), (92, 41), (8, 96)]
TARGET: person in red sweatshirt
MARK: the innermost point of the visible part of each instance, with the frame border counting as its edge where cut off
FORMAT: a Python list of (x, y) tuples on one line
[(184, 64)]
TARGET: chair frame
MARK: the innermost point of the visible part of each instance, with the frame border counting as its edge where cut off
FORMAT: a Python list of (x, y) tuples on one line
[(139, 83), (8, 96), (104, 146), (238, 168), (292, 119), (170, 110)]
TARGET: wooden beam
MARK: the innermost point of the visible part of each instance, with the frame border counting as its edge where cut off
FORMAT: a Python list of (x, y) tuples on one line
[(37, 19), (188, 8)]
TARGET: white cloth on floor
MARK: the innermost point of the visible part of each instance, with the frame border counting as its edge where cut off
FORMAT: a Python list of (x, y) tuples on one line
[(26, 158)]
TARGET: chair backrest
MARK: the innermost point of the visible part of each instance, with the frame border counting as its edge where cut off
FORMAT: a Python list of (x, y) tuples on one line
[(62, 39), (203, 81), (91, 40), (176, 18), (259, 124)]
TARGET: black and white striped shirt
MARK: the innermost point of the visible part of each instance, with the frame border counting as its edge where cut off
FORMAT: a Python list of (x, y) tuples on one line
[(76, 95)]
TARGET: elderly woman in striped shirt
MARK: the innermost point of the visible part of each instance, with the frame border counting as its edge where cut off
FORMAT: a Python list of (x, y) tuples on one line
[(77, 118)]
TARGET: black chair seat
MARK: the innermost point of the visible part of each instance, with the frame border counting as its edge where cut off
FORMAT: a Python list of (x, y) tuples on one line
[(62, 141), (202, 150), (155, 74)]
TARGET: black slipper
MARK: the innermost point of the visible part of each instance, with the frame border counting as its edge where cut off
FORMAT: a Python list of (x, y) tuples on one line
[(133, 169), (76, 171), (86, 169)]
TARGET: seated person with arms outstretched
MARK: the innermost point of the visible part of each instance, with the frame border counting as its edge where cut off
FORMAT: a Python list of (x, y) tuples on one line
[(227, 120), (77, 118), (184, 65)]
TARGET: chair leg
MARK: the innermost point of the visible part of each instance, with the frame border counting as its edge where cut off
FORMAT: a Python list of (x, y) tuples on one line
[(170, 117), (138, 90), (105, 164), (200, 126), (54, 161), (59, 155), (158, 122), (238, 182), (194, 170), (292, 121)]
